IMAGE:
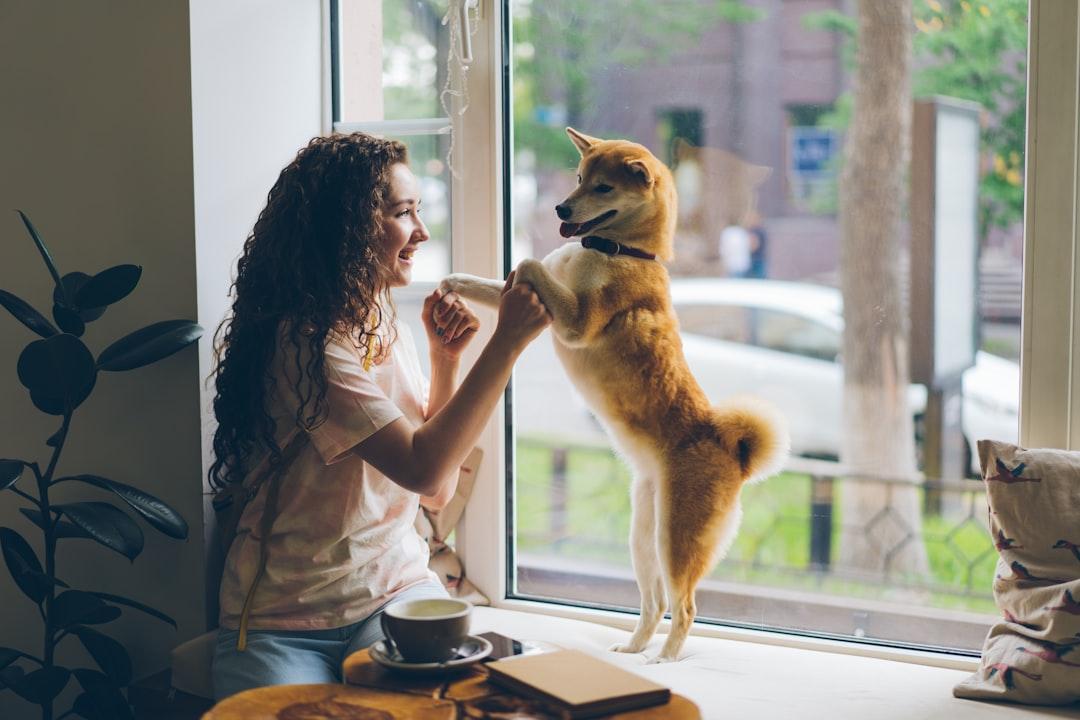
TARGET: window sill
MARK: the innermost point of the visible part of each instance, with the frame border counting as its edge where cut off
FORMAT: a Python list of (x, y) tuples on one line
[(746, 673)]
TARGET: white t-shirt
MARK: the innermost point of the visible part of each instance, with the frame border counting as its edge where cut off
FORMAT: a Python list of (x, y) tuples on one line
[(343, 542)]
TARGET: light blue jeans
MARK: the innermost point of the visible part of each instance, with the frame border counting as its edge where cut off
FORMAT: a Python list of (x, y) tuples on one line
[(279, 657)]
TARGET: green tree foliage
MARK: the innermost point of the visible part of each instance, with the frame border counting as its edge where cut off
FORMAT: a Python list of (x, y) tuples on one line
[(973, 51), (977, 51), (414, 47)]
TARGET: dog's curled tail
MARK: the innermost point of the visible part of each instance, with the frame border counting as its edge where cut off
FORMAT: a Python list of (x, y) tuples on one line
[(756, 433)]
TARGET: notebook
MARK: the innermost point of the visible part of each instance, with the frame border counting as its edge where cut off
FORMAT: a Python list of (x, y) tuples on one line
[(579, 684)]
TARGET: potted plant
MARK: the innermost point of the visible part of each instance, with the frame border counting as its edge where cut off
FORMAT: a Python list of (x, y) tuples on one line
[(59, 371)]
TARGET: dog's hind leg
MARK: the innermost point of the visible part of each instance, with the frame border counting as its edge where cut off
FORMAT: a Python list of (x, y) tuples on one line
[(643, 553), (694, 536)]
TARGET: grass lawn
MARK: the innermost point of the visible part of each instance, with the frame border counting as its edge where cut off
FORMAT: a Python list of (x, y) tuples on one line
[(590, 520)]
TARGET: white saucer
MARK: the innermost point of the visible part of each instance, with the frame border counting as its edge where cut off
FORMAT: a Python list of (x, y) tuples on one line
[(472, 651)]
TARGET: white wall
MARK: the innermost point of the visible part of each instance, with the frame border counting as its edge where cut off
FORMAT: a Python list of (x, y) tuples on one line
[(95, 141), (142, 131)]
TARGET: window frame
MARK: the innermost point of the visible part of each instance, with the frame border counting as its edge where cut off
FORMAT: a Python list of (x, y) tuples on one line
[(1050, 328)]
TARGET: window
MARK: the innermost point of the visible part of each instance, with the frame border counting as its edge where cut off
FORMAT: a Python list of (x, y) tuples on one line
[(389, 79), (752, 108), (390, 65), (716, 98)]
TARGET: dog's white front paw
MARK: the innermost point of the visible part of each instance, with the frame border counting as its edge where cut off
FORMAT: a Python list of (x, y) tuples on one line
[(625, 648), (452, 283)]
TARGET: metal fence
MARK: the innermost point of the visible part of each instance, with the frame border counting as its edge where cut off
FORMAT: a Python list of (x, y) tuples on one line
[(572, 501)]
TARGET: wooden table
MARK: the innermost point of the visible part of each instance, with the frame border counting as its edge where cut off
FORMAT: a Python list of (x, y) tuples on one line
[(372, 692)]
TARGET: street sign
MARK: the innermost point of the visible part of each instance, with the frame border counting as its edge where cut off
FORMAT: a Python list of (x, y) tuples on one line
[(811, 150)]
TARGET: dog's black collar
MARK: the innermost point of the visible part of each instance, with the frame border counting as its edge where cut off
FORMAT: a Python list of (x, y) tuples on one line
[(610, 247)]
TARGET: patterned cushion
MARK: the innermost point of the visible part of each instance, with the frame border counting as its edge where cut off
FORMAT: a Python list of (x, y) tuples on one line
[(435, 526), (1033, 654)]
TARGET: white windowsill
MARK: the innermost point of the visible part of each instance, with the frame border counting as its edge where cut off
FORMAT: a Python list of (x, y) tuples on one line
[(624, 621), (749, 674)]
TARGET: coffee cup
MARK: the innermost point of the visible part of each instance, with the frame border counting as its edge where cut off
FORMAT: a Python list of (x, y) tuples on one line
[(426, 631)]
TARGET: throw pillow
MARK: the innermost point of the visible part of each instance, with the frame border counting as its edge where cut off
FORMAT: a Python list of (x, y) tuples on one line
[(435, 526), (1033, 654)]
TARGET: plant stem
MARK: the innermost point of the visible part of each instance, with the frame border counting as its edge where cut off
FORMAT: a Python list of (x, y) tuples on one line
[(21, 494), (50, 553)]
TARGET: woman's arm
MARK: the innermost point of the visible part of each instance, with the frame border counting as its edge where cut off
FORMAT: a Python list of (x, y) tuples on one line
[(425, 459), (444, 371)]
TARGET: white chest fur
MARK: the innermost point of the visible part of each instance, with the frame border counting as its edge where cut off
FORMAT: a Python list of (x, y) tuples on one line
[(577, 268)]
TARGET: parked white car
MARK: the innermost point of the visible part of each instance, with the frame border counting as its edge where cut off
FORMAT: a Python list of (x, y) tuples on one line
[(778, 340)]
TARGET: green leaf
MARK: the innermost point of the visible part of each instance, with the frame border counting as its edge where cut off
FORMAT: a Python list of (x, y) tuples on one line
[(73, 282), (10, 472), (101, 699), (108, 525), (76, 607), (68, 320), (58, 371), (27, 315), (63, 529), (149, 344), (156, 512), (10, 675), (41, 248), (42, 685), (42, 582), (47, 403), (108, 286), (109, 654), (8, 656), (21, 562), (120, 600)]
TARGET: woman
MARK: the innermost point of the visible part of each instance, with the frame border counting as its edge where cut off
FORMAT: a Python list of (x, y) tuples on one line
[(317, 381)]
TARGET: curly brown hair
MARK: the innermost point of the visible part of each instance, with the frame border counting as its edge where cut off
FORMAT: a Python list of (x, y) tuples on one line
[(309, 268)]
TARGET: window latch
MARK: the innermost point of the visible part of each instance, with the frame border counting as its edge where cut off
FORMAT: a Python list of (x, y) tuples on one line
[(464, 26)]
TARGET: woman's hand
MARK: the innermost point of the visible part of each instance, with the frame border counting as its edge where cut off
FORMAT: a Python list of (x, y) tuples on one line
[(522, 316), (450, 323)]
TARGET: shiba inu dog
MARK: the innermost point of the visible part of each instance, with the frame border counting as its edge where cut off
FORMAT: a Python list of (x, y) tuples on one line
[(618, 338)]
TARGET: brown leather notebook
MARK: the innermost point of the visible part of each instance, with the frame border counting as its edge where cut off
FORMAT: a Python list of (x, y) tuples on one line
[(579, 684)]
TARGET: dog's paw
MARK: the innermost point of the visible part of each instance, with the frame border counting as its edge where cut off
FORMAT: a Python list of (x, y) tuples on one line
[(624, 648), (660, 659), (452, 283), (526, 270)]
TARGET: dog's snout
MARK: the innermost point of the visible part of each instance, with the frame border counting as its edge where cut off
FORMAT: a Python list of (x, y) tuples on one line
[(563, 211)]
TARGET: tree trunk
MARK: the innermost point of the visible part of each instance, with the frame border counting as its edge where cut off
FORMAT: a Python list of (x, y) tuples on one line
[(882, 524)]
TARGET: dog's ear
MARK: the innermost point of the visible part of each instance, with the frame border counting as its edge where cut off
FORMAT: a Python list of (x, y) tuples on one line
[(581, 141), (641, 171)]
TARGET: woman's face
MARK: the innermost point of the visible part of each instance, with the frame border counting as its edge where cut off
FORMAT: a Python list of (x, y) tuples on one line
[(403, 230)]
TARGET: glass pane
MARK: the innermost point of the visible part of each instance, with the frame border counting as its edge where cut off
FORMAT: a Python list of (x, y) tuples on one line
[(390, 69), (885, 327), (406, 39)]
